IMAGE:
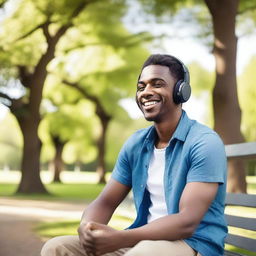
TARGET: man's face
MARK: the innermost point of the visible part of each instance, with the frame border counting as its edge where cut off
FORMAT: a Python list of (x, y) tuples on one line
[(154, 93)]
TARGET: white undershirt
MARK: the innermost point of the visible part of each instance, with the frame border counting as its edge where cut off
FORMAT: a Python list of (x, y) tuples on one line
[(155, 185)]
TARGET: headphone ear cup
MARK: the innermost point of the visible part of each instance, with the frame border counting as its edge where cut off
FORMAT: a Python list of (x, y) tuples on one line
[(176, 97), (181, 92)]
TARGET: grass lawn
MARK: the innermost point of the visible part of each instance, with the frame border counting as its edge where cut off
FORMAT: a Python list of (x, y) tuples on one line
[(52, 229), (57, 191)]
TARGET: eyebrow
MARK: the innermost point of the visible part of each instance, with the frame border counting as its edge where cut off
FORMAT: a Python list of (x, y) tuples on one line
[(152, 80)]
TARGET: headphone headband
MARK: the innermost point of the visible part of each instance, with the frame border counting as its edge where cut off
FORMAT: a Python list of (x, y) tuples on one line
[(186, 78)]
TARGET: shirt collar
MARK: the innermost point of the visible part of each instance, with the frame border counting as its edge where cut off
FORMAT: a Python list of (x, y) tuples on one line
[(183, 127)]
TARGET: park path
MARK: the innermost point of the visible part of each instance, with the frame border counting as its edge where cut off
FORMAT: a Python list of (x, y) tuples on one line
[(19, 217)]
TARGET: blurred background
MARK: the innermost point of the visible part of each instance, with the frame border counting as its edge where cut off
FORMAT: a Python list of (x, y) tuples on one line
[(68, 72)]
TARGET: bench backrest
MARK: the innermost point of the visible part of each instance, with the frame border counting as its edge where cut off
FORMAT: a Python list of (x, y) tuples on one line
[(244, 151)]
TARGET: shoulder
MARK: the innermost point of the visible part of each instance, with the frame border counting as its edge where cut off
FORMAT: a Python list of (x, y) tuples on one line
[(202, 139), (200, 132)]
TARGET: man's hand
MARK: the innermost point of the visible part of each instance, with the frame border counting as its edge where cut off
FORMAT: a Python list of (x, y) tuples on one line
[(83, 238), (98, 239), (100, 211)]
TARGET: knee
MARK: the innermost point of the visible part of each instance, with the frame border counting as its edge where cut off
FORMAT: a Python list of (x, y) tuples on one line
[(53, 247)]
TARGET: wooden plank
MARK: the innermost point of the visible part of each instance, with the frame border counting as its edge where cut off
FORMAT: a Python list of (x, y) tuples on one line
[(241, 222), (241, 242), (241, 150), (248, 200)]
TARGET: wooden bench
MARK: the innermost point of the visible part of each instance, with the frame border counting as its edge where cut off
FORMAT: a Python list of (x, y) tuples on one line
[(243, 151)]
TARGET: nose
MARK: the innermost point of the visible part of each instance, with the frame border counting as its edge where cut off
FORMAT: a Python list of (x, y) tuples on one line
[(147, 91)]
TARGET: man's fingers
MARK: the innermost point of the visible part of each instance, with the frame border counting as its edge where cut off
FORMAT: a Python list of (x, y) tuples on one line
[(94, 225)]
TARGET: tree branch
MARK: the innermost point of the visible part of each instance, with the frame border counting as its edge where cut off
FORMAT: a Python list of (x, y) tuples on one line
[(14, 103), (82, 91), (69, 24), (24, 75), (45, 28), (52, 41), (100, 111), (30, 32), (5, 96)]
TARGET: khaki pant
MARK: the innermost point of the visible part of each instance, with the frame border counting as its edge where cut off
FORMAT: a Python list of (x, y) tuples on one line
[(70, 246)]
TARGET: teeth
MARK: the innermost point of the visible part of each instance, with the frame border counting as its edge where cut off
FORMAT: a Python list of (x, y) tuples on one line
[(149, 103)]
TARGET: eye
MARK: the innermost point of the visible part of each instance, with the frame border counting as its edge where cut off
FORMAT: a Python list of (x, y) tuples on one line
[(140, 88), (158, 84)]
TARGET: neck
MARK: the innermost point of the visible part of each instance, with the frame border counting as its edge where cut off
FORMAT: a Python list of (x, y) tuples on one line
[(166, 128)]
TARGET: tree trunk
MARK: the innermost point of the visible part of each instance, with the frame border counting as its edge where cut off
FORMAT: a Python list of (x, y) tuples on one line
[(57, 161), (101, 167), (227, 112), (30, 166)]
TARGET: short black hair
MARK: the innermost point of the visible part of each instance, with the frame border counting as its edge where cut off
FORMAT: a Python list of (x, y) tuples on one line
[(175, 66)]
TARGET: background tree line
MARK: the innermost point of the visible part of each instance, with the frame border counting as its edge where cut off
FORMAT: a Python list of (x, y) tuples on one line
[(66, 65)]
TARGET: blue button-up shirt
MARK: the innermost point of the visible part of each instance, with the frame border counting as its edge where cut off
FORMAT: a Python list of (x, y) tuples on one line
[(195, 153)]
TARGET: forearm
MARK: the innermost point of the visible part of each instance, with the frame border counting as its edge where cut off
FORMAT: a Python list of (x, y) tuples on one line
[(97, 212), (171, 227)]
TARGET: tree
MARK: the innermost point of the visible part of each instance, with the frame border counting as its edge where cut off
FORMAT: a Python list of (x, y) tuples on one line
[(225, 100), (115, 84), (32, 73), (41, 31), (61, 127), (104, 118)]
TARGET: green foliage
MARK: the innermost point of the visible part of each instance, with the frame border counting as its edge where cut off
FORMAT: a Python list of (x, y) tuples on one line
[(75, 127), (97, 52), (201, 79), (160, 7), (247, 94), (10, 142), (119, 131)]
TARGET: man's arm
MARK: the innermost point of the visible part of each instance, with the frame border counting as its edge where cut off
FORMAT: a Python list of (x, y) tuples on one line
[(102, 208), (195, 201)]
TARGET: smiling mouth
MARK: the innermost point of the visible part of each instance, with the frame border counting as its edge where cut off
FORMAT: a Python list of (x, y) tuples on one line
[(149, 103)]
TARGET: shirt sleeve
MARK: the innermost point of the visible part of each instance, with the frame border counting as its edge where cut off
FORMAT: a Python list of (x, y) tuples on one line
[(208, 160), (122, 170)]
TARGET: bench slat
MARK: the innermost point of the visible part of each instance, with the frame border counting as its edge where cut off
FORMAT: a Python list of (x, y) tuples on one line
[(241, 199), (241, 242), (241, 222), (241, 150)]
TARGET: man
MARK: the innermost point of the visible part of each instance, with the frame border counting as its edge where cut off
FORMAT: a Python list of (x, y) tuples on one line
[(177, 171)]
